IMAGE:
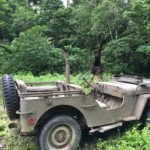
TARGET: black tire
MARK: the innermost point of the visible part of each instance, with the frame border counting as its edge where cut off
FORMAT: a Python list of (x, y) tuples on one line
[(146, 115), (147, 118), (10, 96), (60, 133)]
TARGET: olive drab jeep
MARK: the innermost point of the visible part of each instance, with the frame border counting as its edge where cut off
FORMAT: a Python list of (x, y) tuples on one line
[(59, 111)]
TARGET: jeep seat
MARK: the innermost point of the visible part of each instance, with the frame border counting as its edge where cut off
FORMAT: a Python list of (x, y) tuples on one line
[(41, 88), (23, 88)]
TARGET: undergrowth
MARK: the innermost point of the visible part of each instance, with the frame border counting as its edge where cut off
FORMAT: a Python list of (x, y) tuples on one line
[(133, 139)]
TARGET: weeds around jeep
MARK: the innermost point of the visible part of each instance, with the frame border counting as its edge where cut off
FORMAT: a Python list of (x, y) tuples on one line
[(58, 112)]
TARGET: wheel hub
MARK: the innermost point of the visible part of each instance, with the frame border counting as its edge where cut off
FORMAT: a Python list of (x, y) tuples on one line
[(60, 136)]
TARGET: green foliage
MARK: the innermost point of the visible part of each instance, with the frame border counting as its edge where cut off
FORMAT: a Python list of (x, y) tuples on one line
[(20, 143), (3, 122), (23, 19), (134, 139), (130, 53), (48, 8), (60, 27), (116, 55), (13, 143), (119, 29), (5, 20), (82, 24), (4, 55), (106, 18), (127, 55), (77, 59), (42, 78), (34, 53), (139, 17)]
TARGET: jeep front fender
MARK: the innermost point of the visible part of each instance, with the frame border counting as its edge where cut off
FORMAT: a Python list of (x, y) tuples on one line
[(140, 105)]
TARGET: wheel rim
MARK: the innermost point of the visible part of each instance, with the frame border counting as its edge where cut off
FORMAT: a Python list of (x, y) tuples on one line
[(61, 136)]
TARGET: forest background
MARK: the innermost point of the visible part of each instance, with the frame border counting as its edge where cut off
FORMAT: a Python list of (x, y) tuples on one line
[(34, 34)]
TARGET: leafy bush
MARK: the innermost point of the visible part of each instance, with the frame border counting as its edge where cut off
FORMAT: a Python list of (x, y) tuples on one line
[(22, 20), (79, 59), (127, 55), (133, 139), (116, 56), (33, 53)]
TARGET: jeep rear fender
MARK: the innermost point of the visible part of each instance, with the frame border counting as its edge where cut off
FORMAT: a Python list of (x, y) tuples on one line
[(65, 110), (140, 105)]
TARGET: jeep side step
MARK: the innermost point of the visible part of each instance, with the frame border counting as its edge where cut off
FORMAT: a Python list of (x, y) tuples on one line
[(103, 129)]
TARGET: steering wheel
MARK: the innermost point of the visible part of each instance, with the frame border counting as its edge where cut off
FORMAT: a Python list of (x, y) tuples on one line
[(87, 78)]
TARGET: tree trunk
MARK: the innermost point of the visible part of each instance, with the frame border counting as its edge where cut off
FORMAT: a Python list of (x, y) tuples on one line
[(68, 3), (67, 71), (98, 66)]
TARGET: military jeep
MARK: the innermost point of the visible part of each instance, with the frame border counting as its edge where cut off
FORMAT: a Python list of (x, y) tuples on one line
[(58, 111)]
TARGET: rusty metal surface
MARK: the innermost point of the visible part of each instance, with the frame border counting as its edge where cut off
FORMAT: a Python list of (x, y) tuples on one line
[(110, 89)]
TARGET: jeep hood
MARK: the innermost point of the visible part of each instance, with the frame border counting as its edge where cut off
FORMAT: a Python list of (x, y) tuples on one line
[(118, 89)]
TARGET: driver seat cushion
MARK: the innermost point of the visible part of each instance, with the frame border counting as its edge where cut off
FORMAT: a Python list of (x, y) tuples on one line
[(23, 88), (41, 88)]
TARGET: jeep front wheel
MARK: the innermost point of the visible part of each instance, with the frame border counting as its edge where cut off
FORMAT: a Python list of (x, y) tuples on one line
[(147, 119), (60, 133), (146, 115)]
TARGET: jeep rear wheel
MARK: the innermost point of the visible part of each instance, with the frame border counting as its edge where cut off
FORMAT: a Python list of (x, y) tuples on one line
[(10, 96), (60, 133)]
